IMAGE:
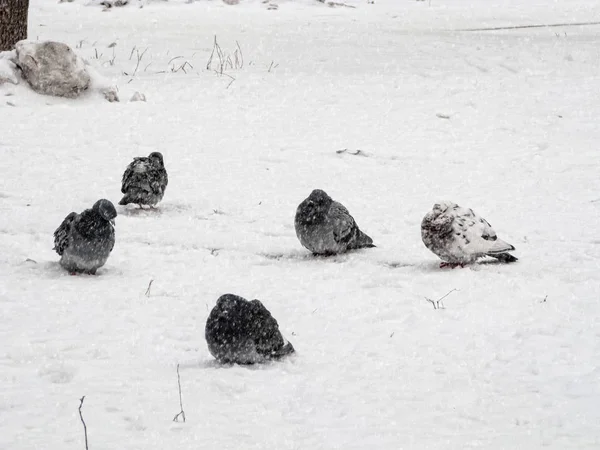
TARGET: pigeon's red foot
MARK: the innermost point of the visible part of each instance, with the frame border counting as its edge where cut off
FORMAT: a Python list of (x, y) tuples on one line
[(73, 274), (443, 265)]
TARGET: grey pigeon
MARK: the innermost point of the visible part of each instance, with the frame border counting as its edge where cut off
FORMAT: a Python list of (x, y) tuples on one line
[(85, 240), (244, 332), (459, 236), (325, 227), (144, 181)]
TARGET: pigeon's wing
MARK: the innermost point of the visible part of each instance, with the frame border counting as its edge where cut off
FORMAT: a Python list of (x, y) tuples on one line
[(478, 235), (165, 177), (61, 235), (136, 175), (344, 226), (265, 330), (112, 239)]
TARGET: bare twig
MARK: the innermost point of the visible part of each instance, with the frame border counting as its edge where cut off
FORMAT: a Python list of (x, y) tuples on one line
[(226, 61), (545, 298), (83, 422), (173, 59), (238, 53), (181, 412), (112, 60), (147, 294), (272, 66), (518, 27), (437, 304), (208, 64), (139, 59), (232, 80), (181, 67)]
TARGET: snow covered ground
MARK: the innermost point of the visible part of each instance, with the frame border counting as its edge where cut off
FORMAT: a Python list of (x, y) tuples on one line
[(505, 122)]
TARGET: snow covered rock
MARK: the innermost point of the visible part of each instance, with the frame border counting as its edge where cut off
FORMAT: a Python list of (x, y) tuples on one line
[(244, 332), (52, 68), (325, 227), (84, 241), (8, 69), (137, 97), (459, 236)]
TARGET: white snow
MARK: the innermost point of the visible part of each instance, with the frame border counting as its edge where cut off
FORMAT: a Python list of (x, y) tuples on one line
[(503, 121)]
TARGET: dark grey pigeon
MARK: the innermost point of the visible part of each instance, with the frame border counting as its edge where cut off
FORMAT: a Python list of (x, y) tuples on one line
[(144, 181), (85, 240), (244, 332), (459, 236), (325, 227)]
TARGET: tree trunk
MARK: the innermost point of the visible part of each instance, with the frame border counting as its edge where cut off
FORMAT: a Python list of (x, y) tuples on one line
[(13, 22)]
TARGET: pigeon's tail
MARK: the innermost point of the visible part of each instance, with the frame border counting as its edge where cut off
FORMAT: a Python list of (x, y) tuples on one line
[(499, 251), (287, 349), (363, 241), (498, 246), (505, 257)]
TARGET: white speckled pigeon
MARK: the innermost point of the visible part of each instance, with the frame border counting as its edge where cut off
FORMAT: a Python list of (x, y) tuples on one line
[(84, 241), (244, 332), (144, 181), (325, 227), (459, 236)]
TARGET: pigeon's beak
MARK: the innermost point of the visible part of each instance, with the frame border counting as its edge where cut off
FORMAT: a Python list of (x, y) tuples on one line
[(112, 222)]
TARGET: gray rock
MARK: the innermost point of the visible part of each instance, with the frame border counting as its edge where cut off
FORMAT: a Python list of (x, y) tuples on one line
[(52, 68), (8, 69)]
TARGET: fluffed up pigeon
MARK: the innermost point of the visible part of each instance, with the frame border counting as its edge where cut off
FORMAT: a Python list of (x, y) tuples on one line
[(84, 241), (325, 227), (459, 236), (145, 180), (244, 332)]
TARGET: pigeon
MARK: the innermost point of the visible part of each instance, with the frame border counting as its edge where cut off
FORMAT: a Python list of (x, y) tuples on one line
[(85, 240), (244, 332), (459, 236), (144, 181), (325, 227)]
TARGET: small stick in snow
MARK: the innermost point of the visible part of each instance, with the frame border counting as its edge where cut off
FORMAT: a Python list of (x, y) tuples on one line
[(83, 422), (239, 56), (211, 54), (180, 413), (436, 303), (139, 59), (147, 294), (232, 80), (519, 27), (545, 298)]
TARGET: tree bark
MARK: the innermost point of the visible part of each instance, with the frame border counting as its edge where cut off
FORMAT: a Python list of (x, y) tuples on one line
[(13, 22)]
